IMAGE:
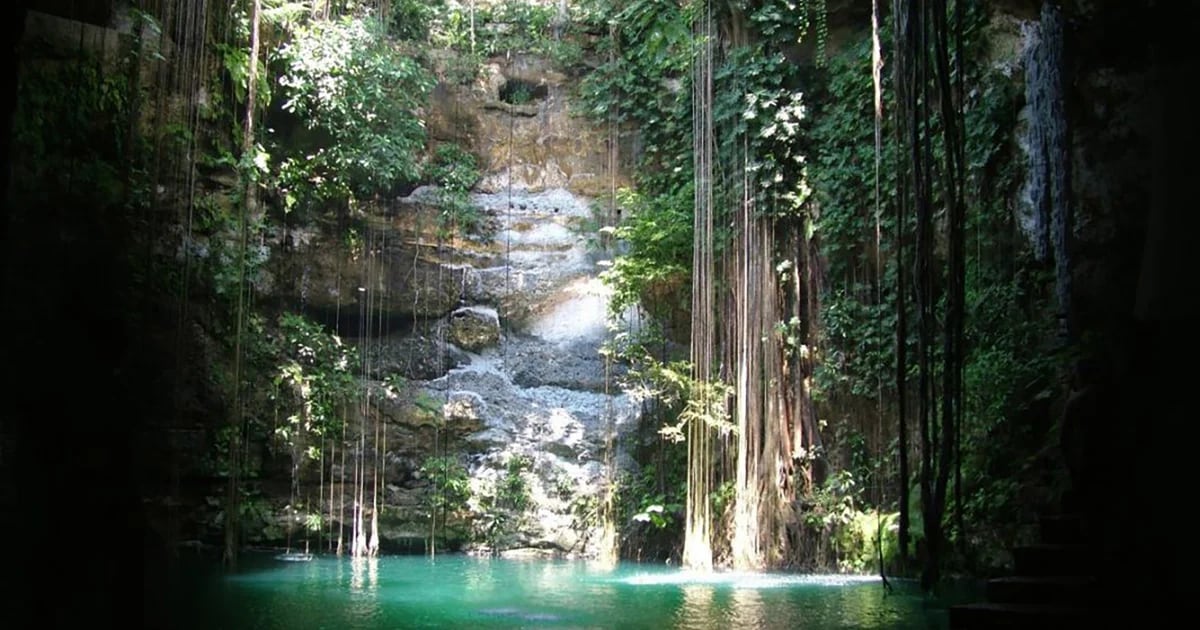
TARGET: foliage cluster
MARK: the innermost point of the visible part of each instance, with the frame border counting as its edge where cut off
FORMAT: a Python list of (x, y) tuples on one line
[(479, 30), (516, 26), (650, 502), (359, 99), (222, 264), (844, 533), (778, 22), (758, 105), (658, 236), (644, 83), (501, 509), (857, 326), (454, 171), (449, 492), (75, 126), (313, 381)]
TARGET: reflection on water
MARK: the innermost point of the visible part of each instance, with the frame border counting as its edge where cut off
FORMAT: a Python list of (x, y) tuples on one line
[(465, 592), (478, 577), (364, 589), (746, 610), (696, 609)]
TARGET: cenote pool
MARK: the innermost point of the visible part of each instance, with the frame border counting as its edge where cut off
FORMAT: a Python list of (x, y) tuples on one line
[(469, 592)]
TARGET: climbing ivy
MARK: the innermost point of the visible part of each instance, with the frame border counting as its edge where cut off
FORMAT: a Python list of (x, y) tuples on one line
[(761, 114), (644, 84), (857, 314), (783, 23)]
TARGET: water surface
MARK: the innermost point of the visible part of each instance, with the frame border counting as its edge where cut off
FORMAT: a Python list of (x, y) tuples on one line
[(469, 592)]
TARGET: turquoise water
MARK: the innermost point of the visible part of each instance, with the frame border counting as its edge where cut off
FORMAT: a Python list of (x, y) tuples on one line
[(469, 592)]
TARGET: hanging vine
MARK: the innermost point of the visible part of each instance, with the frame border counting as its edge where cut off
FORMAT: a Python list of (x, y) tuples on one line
[(697, 544), (930, 105)]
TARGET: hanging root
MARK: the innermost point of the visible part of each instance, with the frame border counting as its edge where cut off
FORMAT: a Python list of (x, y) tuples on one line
[(887, 586)]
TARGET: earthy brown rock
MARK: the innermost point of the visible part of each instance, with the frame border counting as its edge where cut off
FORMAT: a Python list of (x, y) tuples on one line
[(536, 145), (474, 328)]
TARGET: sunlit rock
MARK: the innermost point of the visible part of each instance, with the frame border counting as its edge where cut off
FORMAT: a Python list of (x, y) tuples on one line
[(464, 406)]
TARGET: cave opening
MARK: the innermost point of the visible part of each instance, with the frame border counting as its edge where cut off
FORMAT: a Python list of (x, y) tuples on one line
[(521, 92)]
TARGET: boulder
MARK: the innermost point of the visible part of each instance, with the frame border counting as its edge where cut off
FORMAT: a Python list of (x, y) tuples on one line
[(463, 406), (474, 328)]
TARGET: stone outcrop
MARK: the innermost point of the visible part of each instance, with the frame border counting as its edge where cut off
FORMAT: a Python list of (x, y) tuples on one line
[(412, 274), (420, 355), (510, 371)]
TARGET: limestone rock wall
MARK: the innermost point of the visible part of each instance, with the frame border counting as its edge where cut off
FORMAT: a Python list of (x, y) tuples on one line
[(494, 334)]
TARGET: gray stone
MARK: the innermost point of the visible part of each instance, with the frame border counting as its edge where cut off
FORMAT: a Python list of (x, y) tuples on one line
[(418, 357), (533, 362)]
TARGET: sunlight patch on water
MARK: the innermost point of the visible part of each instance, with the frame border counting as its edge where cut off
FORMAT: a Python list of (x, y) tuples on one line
[(736, 579)]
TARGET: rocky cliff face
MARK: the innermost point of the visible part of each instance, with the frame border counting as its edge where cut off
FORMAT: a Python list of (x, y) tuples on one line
[(496, 333), (518, 117)]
